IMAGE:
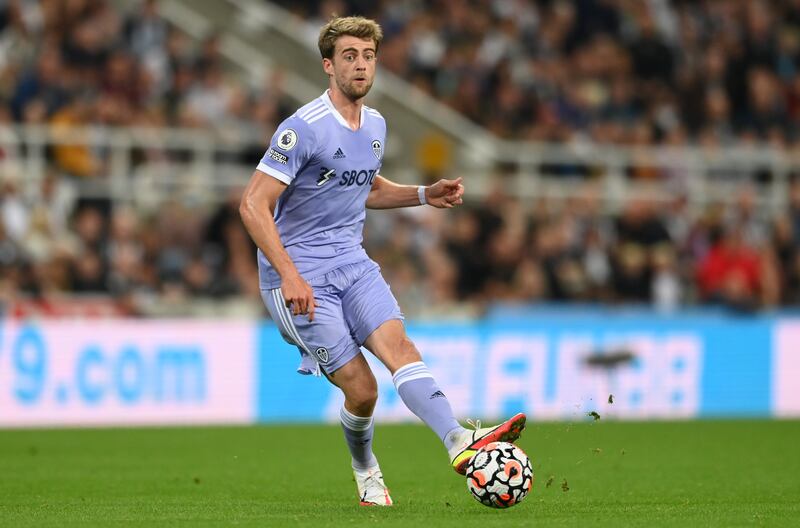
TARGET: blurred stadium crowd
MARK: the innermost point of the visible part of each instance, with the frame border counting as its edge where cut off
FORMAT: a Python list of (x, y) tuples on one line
[(623, 71), (83, 62), (74, 62), (633, 72), (505, 250)]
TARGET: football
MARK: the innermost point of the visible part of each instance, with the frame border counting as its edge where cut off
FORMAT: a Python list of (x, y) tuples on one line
[(499, 475)]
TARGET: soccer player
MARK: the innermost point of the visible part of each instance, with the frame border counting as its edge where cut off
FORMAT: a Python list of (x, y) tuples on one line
[(305, 207)]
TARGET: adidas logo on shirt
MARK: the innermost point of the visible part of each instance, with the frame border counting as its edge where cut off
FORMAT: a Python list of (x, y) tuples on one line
[(338, 154)]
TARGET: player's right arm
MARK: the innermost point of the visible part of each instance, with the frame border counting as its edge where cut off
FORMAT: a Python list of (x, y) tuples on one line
[(290, 149), (257, 211)]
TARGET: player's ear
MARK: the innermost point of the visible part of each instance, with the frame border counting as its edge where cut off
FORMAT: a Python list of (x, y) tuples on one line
[(327, 65)]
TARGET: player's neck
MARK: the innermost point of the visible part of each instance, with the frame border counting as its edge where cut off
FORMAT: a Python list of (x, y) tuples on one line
[(349, 109)]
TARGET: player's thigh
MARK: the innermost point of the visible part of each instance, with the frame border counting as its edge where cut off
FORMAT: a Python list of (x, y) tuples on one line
[(368, 302), (327, 338)]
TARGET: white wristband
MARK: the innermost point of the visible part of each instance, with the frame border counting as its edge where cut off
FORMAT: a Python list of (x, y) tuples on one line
[(421, 194)]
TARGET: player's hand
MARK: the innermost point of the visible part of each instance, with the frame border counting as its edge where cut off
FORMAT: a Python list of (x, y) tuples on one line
[(299, 296), (445, 194)]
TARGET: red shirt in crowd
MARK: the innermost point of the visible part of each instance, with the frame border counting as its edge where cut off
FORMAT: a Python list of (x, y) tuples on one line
[(726, 262)]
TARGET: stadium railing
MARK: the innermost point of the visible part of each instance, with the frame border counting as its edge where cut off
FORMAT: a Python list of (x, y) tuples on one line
[(204, 163)]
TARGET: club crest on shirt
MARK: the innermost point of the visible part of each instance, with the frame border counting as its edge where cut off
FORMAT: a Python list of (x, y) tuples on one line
[(288, 139), (377, 149), (325, 175), (322, 354)]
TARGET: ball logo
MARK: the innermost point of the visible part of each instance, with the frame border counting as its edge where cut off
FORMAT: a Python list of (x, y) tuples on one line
[(287, 140), (377, 149), (322, 354)]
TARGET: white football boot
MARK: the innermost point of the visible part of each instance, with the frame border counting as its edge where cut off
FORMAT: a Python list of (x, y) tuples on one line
[(372, 491)]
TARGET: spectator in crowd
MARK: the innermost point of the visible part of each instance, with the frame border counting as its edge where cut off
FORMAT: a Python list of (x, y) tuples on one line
[(730, 274)]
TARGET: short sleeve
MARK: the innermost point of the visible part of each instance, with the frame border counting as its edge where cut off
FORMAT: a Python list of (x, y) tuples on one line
[(290, 149)]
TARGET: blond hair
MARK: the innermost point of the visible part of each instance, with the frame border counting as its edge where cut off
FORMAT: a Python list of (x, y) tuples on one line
[(359, 27)]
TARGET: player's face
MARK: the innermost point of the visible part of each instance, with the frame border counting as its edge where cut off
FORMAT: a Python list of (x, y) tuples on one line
[(353, 66)]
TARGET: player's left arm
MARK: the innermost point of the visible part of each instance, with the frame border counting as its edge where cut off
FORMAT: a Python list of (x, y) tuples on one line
[(385, 194)]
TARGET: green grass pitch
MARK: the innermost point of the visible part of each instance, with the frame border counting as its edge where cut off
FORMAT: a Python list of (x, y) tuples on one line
[(707, 473)]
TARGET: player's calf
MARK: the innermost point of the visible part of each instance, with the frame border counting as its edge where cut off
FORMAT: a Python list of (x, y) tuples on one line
[(423, 397)]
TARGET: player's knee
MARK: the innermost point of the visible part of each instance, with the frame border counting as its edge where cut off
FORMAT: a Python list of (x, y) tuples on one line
[(364, 400), (364, 396)]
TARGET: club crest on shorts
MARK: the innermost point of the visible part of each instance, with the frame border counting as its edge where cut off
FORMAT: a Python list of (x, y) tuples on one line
[(377, 149), (288, 139), (322, 354)]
